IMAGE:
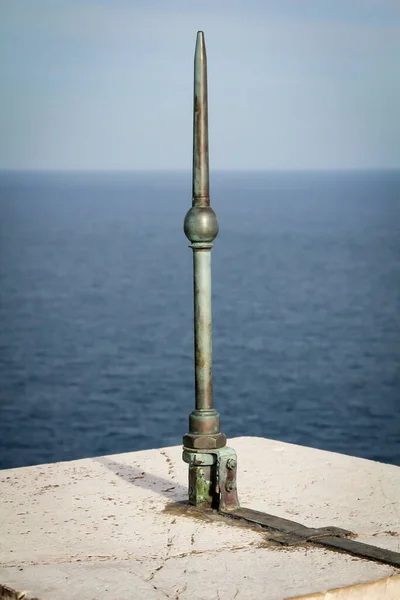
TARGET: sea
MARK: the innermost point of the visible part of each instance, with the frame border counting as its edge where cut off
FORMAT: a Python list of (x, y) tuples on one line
[(96, 311)]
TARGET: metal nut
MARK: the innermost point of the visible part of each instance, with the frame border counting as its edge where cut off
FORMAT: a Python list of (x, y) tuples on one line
[(229, 486), (231, 464), (194, 441)]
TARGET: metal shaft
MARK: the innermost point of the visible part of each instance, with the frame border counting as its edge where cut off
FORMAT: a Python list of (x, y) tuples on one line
[(202, 329), (201, 228)]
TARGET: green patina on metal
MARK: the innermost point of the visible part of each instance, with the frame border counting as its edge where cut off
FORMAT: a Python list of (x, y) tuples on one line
[(201, 228), (201, 490)]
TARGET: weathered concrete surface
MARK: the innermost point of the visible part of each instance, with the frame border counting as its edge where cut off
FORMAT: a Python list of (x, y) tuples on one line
[(111, 527)]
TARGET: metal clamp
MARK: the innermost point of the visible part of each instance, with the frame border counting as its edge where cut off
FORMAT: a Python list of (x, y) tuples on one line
[(213, 478)]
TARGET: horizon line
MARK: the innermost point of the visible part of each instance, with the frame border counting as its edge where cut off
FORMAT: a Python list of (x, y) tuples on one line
[(189, 170)]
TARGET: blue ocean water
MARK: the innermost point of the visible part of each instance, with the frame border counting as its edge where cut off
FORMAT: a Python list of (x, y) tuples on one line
[(96, 311)]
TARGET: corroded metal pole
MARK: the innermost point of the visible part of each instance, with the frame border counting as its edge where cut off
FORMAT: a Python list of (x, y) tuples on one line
[(201, 228)]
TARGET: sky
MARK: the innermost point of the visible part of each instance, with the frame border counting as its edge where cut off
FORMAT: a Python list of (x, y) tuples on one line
[(108, 84)]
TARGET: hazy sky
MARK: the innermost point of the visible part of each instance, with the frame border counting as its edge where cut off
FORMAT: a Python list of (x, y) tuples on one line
[(97, 84)]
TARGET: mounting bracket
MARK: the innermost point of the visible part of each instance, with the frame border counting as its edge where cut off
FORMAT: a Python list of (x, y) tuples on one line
[(212, 478)]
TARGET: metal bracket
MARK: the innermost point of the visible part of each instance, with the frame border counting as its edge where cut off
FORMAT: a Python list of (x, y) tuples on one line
[(227, 479), (212, 478)]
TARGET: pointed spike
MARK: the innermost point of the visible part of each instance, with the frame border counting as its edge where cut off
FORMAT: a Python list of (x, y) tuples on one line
[(201, 186)]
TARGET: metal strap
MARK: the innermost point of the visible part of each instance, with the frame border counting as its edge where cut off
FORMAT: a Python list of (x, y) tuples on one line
[(288, 533)]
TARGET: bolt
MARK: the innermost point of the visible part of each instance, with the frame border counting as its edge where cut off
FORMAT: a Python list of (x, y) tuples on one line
[(231, 464), (229, 486)]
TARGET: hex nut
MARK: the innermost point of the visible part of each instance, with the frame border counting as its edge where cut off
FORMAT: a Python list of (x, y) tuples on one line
[(204, 442)]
